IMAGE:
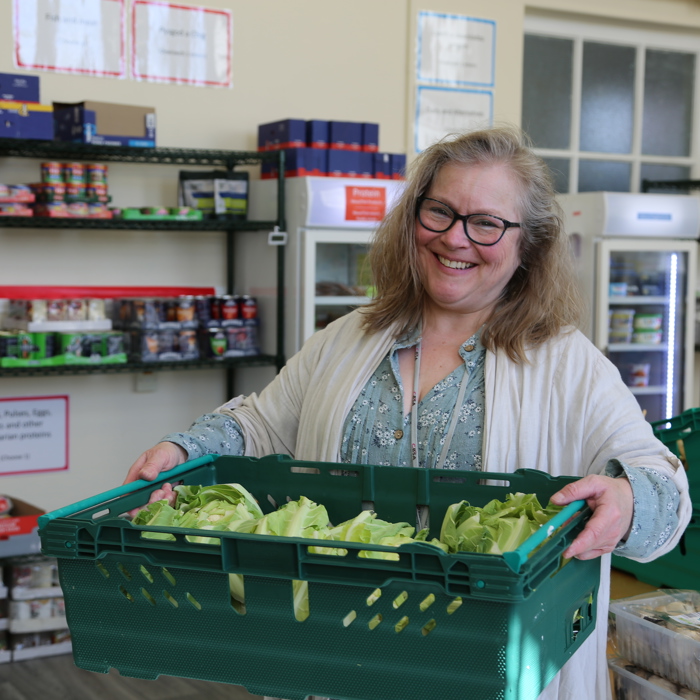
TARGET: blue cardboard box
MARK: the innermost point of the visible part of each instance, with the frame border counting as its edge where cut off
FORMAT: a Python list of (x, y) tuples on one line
[(343, 163), (317, 133), (105, 124), (19, 88), (382, 165), (286, 133), (299, 162), (345, 136), (26, 120), (398, 166), (370, 137)]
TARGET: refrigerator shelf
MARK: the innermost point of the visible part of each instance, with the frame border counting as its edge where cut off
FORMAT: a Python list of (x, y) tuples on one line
[(648, 390), (636, 347), (341, 300), (637, 300)]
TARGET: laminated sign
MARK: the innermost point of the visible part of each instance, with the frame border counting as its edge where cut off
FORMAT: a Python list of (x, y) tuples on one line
[(365, 203)]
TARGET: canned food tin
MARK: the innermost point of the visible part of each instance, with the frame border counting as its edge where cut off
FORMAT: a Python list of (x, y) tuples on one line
[(202, 306), (185, 309), (74, 173), (229, 308), (96, 173), (214, 343), (51, 171), (249, 307), (187, 340)]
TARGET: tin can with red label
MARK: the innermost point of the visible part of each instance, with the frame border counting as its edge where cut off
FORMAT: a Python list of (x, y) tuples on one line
[(74, 173), (51, 172), (249, 307), (96, 174), (229, 308)]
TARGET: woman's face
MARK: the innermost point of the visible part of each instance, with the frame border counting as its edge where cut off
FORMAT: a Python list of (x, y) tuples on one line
[(458, 275)]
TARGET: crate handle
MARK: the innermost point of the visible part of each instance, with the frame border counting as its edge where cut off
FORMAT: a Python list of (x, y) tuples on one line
[(518, 557), (124, 489)]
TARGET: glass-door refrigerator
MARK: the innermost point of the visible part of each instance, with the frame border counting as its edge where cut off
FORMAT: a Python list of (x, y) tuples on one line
[(637, 258), (330, 224)]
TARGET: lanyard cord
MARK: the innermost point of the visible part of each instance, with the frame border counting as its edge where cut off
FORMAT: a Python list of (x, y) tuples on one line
[(414, 415)]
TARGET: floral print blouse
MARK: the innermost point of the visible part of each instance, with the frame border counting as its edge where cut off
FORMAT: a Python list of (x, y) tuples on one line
[(378, 432)]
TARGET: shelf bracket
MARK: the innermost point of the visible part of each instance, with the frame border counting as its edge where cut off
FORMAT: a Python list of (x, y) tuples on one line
[(277, 237)]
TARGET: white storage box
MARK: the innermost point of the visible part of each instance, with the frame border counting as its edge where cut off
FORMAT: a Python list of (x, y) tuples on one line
[(631, 683), (660, 632)]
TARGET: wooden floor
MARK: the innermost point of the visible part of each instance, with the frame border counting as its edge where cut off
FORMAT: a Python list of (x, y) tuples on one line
[(58, 678)]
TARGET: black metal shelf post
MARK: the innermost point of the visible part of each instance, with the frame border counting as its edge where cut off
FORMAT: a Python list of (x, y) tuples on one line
[(18, 148)]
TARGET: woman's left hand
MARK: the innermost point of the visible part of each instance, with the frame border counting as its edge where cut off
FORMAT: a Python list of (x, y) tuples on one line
[(612, 504)]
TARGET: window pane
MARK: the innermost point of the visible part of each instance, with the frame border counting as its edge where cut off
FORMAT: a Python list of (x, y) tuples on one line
[(668, 103), (603, 176), (559, 169), (607, 98), (651, 171), (547, 70)]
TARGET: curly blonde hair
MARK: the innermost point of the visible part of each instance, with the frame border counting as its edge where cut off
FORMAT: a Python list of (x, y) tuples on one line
[(542, 297)]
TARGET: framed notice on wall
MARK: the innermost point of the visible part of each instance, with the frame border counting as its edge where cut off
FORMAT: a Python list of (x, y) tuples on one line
[(33, 434), (71, 36), (179, 44)]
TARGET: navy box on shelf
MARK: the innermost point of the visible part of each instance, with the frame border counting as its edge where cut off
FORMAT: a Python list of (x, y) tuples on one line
[(317, 133), (105, 124), (423, 623), (26, 120), (346, 136), (19, 88), (398, 166), (382, 166), (370, 137), (285, 133)]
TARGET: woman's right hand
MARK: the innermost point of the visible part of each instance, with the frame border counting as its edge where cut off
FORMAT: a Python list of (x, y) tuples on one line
[(157, 459)]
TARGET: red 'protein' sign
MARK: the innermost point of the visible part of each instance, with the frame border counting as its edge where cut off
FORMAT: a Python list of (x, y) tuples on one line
[(364, 203)]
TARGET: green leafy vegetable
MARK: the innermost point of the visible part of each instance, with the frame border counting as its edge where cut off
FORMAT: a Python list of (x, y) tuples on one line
[(496, 527)]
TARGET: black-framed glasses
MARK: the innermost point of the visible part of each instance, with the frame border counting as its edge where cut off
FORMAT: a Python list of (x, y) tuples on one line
[(482, 229)]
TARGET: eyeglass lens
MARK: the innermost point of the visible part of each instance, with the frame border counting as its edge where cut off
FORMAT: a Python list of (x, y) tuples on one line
[(480, 228)]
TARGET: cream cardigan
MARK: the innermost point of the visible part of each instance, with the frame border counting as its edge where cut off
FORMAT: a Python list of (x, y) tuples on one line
[(566, 412)]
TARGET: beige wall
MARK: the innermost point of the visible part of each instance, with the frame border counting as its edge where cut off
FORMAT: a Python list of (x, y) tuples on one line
[(291, 58)]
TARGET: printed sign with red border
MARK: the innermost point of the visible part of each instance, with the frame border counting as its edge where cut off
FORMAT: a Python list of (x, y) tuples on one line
[(33, 434), (364, 203)]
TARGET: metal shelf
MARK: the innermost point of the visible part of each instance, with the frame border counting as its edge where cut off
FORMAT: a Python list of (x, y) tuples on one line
[(226, 224), (56, 150), (137, 367), (27, 148)]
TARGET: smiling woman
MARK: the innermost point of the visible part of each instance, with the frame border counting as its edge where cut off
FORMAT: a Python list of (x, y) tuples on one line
[(468, 358)]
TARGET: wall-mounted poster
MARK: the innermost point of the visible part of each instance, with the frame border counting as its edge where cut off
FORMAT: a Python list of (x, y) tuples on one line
[(33, 434), (455, 50), (179, 44), (444, 111), (71, 36)]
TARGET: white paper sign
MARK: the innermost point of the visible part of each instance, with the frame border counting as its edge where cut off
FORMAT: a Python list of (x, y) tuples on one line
[(444, 111), (456, 50), (71, 36), (33, 434), (181, 44)]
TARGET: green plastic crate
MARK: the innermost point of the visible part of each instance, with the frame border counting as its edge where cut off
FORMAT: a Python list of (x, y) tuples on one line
[(429, 625), (681, 434)]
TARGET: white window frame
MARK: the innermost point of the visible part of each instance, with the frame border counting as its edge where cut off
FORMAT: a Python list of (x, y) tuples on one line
[(641, 39)]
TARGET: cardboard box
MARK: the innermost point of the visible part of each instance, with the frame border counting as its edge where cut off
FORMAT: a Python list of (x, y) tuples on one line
[(398, 166), (345, 136), (26, 120), (370, 137), (19, 88), (317, 133), (382, 166), (349, 164), (298, 162), (287, 133), (105, 124), (19, 532)]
